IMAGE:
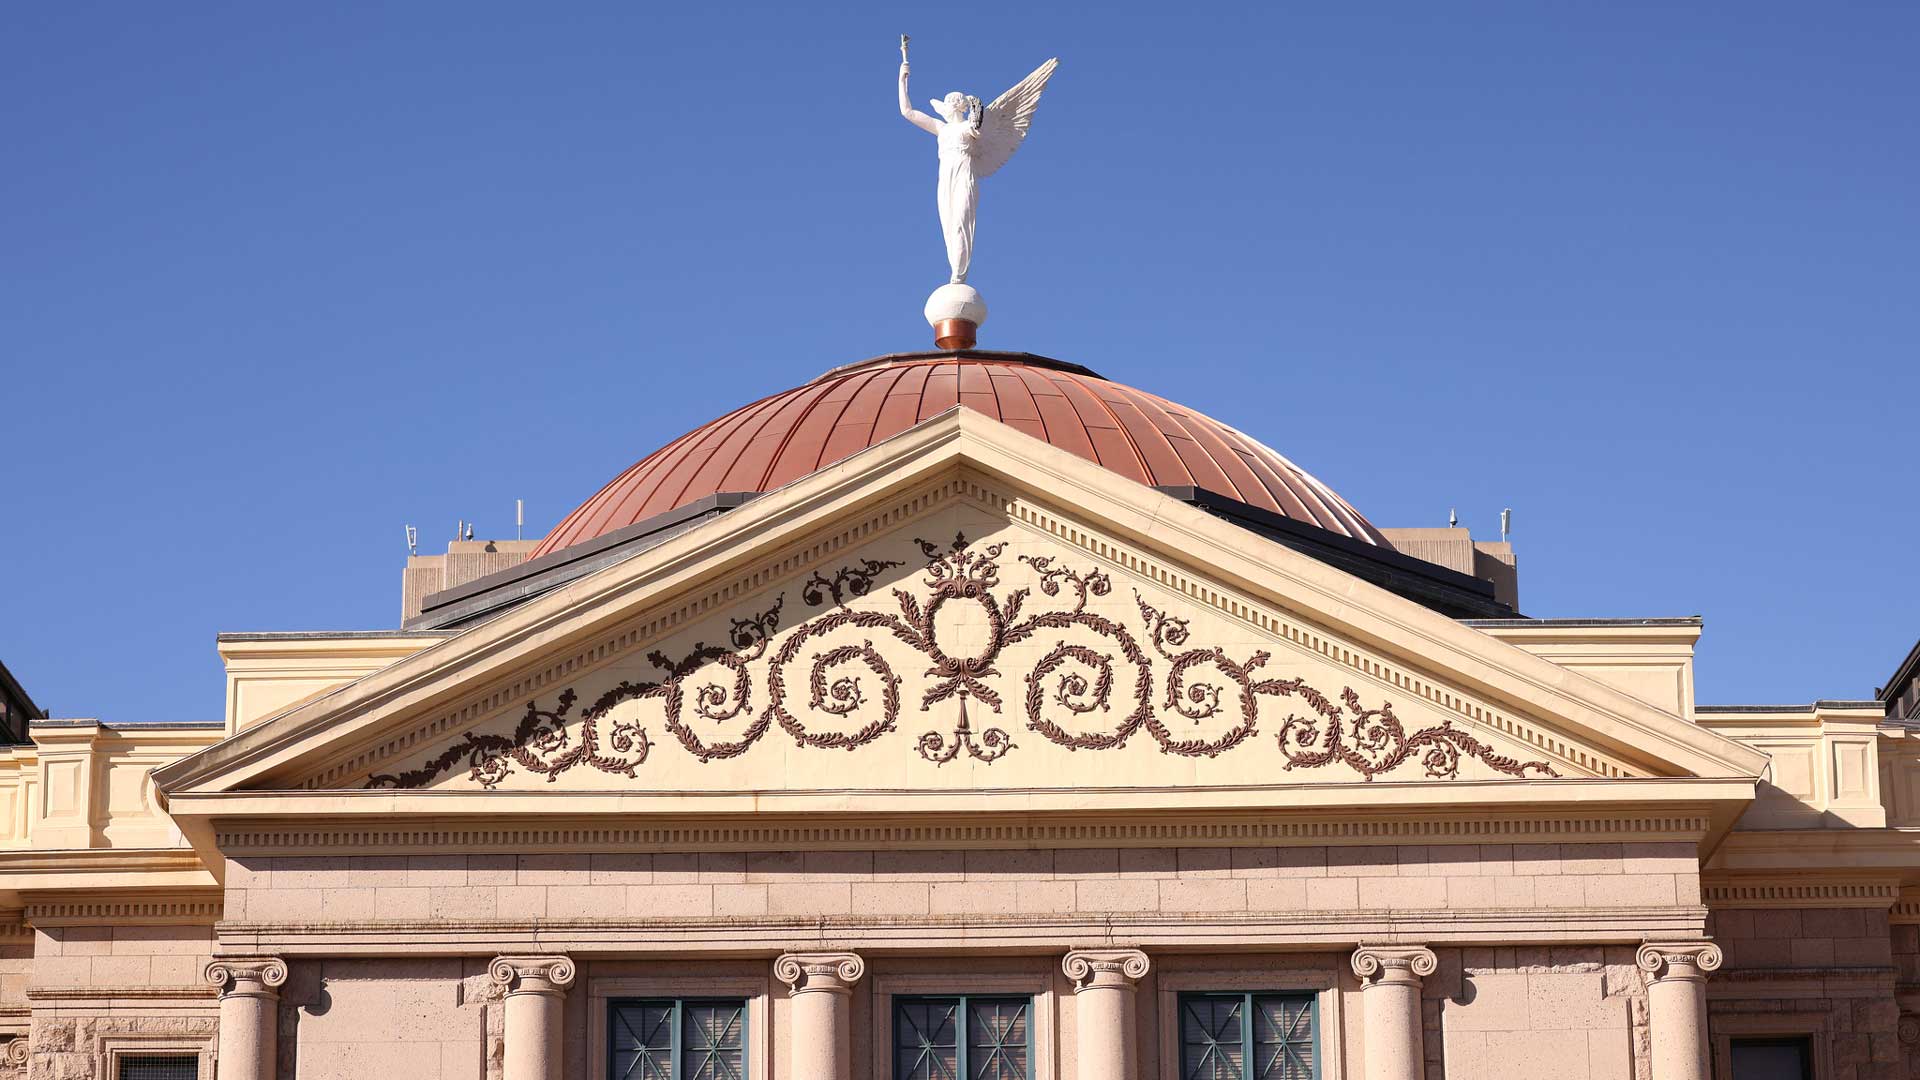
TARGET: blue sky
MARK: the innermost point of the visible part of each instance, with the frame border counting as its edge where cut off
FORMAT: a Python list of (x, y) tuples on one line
[(276, 282)]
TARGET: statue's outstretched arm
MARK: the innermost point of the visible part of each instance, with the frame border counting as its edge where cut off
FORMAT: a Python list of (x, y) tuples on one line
[(914, 116)]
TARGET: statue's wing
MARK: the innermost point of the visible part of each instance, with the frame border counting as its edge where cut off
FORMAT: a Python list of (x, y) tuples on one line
[(1007, 120)]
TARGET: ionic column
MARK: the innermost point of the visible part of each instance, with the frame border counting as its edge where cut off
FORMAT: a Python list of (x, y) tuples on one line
[(1390, 1007), (249, 1014), (822, 992), (536, 990), (1677, 1006), (1103, 982)]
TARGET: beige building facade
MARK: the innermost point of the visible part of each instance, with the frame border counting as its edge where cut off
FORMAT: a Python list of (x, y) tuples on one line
[(963, 753)]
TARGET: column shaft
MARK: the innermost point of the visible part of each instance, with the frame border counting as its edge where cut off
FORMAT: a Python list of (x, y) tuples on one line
[(249, 1015), (821, 990), (536, 989), (1390, 1008), (1677, 1007), (1103, 988)]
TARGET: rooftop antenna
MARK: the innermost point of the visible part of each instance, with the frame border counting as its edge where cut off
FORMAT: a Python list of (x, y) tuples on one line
[(413, 541), (459, 529), (1506, 523), (1453, 518), (519, 516)]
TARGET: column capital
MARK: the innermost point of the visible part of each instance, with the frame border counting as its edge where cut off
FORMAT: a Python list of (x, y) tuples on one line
[(830, 972), (246, 976), (1678, 960), (1099, 968), (548, 975), (1393, 964)]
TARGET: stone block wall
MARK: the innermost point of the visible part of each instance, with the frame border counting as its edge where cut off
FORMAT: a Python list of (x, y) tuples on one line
[(1825, 973), (904, 884), (417, 1019), (1573, 1013), (96, 988)]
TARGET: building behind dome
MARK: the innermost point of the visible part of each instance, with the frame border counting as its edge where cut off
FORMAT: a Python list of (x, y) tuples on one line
[(967, 714)]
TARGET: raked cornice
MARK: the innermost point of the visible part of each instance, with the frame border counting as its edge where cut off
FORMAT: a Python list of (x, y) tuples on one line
[(1368, 629)]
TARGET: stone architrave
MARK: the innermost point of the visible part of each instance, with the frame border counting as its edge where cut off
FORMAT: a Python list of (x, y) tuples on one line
[(249, 1014), (1103, 985), (1677, 1006), (535, 988), (1390, 1000), (821, 986)]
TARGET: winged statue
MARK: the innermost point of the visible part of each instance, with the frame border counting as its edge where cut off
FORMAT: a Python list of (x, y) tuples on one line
[(975, 141)]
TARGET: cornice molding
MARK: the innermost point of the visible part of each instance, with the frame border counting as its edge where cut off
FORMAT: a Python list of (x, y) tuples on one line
[(1308, 827), (197, 907), (1734, 894)]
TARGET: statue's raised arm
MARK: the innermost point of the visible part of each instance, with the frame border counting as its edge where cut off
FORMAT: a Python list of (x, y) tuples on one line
[(914, 116)]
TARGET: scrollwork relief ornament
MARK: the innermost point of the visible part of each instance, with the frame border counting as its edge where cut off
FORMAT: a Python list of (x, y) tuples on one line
[(832, 682)]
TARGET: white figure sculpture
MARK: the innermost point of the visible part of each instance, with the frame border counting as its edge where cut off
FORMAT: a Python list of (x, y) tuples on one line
[(974, 143)]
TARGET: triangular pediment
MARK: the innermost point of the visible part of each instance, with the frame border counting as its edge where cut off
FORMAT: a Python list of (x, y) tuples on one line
[(962, 613)]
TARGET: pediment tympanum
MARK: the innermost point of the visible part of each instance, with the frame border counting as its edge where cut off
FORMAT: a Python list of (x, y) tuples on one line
[(962, 609), (968, 650)]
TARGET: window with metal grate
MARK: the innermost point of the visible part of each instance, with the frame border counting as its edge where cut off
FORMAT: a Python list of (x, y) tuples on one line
[(159, 1067)]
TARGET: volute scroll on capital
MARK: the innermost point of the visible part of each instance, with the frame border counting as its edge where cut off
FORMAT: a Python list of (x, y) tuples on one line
[(17, 1051), (1678, 959), (813, 972), (531, 974), (246, 974), (1105, 967), (1388, 963)]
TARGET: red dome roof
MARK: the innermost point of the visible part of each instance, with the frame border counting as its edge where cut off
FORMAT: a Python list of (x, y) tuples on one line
[(782, 438)]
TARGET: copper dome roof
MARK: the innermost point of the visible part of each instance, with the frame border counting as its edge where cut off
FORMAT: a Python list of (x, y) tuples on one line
[(781, 438)]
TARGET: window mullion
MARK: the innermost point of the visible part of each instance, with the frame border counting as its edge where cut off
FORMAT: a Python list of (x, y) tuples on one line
[(1247, 1066), (962, 1036), (675, 1068)]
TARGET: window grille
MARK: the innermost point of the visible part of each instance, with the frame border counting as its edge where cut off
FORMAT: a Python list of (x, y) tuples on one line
[(1247, 1037), (677, 1039), (158, 1066), (962, 1038)]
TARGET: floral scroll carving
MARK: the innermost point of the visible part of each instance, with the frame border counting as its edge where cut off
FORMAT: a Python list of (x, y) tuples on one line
[(830, 682)]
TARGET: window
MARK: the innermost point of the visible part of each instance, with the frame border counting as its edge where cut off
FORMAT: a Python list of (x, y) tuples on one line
[(1772, 1059), (158, 1066), (1247, 1037), (677, 1039), (961, 1038)]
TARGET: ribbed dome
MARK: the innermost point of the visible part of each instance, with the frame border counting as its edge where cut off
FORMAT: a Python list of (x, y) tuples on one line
[(781, 438)]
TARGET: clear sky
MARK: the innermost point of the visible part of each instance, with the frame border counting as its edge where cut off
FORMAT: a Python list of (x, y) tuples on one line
[(276, 281)]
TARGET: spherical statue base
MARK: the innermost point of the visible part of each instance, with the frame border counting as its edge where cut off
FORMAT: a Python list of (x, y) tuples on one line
[(955, 312)]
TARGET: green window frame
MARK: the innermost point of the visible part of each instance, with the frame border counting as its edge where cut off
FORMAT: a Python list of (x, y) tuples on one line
[(677, 1039), (1257, 1035), (963, 1037)]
